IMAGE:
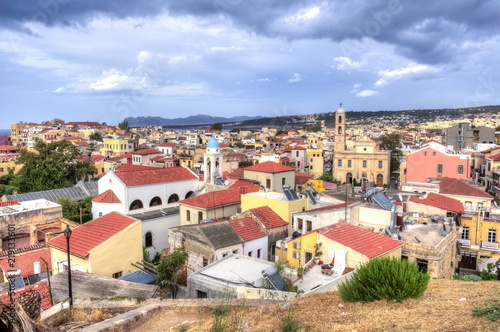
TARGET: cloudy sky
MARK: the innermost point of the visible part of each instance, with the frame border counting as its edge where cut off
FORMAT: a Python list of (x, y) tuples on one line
[(95, 60)]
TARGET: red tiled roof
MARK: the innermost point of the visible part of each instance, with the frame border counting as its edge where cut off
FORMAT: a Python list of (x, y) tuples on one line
[(328, 208), (450, 186), (25, 261), (298, 148), (80, 143), (41, 287), (440, 201), (268, 217), (90, 235), (490, 150), (133, 168), (97, 158), (221, 197), (7, 147), (269, 167), (430, 141), (247, 229), (146, 151), (495, 158), (168, 144), (359, 239), (106, 197), (302, 178), (238, 173), (155, 175), (9, 203)]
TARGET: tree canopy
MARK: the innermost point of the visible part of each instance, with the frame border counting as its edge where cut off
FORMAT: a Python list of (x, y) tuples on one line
[(95, 136), (216, 126), (392, 142), (123, 125), (169, 267), (51, 166), (78, 211)]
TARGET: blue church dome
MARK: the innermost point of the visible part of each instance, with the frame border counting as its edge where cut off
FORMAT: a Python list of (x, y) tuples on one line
[(212, 143)]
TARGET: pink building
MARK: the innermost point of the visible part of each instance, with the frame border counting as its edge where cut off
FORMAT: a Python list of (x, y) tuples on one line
[(434, 161)]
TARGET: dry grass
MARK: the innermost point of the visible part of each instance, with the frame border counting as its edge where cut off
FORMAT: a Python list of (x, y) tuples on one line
[(94, 314), (438, 310)]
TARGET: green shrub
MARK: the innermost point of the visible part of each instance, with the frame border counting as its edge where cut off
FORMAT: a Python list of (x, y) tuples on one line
[(470, 277), (490, 273), (384, 279), (490, 310), (288, 324)]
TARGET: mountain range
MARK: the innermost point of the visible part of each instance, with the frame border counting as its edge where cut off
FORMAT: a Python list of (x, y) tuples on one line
[(200, 119)]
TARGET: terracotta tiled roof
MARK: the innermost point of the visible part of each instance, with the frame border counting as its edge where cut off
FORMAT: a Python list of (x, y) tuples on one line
[(168, 144), (41, 287), (154, 175), (90, 235), (490, 150), (327, 208), (237, 174), (221, 197), (133, 168), (302, 178), (247, 229), (430, 141), (268, 217), (298, 148), (495, 158), (106, 197), (146, 152), (97, 158), (269, 167), (359, 239), (90, 124), (450, 186), (7, 147), (440, 201), (25, 261), (9, 203)]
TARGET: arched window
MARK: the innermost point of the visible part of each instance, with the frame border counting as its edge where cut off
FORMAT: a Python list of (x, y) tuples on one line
[(137, 204), (364, 177), (189, 194), (340, 130), (440, 168), (340, 118), (155, 201), (148, 239), (173, 198)]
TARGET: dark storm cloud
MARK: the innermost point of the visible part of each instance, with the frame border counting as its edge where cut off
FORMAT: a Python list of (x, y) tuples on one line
[(429, 32)]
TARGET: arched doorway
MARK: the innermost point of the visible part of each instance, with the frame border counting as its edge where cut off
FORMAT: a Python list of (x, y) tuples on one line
[(348, 177), (380, 180)]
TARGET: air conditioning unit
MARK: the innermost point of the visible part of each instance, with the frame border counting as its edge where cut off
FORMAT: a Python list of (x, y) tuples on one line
[(296, 254), (296, 245), (464, 243), (489, 245)]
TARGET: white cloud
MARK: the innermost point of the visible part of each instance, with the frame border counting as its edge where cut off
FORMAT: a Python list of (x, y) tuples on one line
[(345, 63), (296, 78), (367, 93), (263, 80), (227, 49), (303, 15), (411, 71), (356, 86)]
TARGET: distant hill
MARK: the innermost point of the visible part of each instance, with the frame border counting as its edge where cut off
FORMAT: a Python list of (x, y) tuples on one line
[(200, 119)]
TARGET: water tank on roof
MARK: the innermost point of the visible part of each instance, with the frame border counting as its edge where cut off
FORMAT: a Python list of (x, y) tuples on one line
[(296, 234)]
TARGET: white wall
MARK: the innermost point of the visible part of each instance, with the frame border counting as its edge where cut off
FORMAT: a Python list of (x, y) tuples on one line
[(159, 229), (228, 250), (254, 245)]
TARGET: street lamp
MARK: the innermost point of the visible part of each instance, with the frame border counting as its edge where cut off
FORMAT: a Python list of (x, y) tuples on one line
[(498, 269), (67, 234)]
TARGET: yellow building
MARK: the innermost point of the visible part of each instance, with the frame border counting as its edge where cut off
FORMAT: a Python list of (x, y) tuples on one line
[(278, 202), (105, 246), (315, 161), (271, 175), (479, 238), (474, 199), (341, 243), (361, 161), (116, 146)]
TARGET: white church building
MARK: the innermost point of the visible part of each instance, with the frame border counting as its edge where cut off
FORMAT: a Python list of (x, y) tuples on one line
[(149, 194)]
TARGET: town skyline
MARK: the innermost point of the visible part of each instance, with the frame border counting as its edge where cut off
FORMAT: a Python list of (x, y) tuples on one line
[(105, 62)]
